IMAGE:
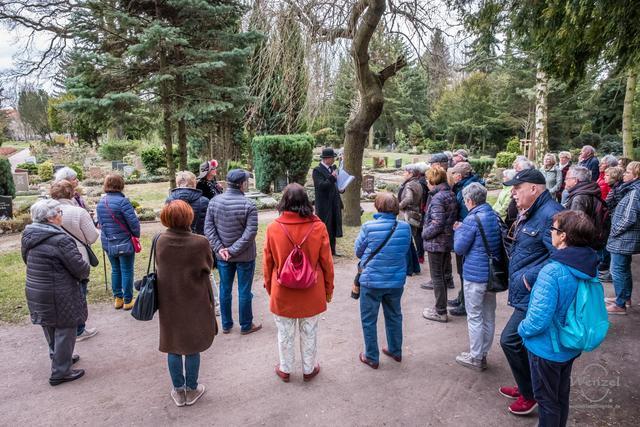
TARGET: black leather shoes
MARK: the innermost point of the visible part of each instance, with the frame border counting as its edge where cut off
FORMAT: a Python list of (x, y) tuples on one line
[(453, 302), (75, 359), (72, 376), (458, 311)]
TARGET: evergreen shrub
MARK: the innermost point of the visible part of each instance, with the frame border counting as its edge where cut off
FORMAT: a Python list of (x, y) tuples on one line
[(589, 138), (153, 158), (482, 166), (116, 149), (7, 187), (504, 159), (78, 170), (435, 146), (31, 168), (45, 171), (513, 146), (193, 165), (611, 144), (277, 155)]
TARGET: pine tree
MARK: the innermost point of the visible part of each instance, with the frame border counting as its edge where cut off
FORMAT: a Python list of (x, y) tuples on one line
[(7, 187)]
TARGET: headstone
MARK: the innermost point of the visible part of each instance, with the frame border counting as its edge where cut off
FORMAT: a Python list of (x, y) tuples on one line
[(114, 164), (6, 207), (398, 163), (280, 183), (21, 181), (128, 170), (56, 168), (376, 161), (31, 160), (120, 166), (368, 183), (386, 161)]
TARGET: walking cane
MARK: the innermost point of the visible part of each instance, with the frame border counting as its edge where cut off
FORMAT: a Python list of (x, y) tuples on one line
[(104, 264)]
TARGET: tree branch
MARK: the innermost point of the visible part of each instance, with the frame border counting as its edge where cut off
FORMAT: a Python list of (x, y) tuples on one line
[(391, 70)]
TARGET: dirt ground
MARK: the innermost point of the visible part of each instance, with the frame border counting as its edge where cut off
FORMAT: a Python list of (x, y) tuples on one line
[(127, 381)]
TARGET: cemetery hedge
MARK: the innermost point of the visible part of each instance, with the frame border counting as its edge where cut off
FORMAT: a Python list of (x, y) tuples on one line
[(279, 155)]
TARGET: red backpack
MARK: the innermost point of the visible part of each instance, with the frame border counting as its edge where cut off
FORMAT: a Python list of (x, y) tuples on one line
[(297, 272)]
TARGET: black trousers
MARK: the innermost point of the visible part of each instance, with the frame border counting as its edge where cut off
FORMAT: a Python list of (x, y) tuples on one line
[(516, 353), (459, 261), (551, 385), (441, 275), (61, 343), (332, 243)]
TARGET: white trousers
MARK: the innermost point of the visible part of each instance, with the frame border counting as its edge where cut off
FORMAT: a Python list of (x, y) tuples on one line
[(308, 327)]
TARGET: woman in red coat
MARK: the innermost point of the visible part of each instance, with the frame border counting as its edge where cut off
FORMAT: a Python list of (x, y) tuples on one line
[(297, 307)]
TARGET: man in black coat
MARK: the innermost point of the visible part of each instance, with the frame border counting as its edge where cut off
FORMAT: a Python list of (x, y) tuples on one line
[(328, 204)]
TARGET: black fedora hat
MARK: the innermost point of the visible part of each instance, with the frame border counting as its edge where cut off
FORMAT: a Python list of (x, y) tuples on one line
[(328, 152)]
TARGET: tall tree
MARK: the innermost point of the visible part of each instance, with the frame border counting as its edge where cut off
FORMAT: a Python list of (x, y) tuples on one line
[(627, 115), (32, 106)]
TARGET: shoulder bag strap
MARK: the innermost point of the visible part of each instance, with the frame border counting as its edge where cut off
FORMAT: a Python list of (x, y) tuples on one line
[(484, 237), (379, 248), (72, 235), (106, 203), (152, 255), (291, 238)]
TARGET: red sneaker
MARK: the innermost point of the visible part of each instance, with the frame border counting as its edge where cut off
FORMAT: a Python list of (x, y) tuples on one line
[(421, 260), (509, 392), (523, 406)]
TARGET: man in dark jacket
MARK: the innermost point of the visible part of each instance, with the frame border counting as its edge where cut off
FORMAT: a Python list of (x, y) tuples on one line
[(187, 192), (584, 193), (231, 227), (207, 182), (589, 160), (529, 250), (328, 204), (55, 268)]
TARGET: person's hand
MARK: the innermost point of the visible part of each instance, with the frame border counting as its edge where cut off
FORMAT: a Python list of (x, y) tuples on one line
[(335, 173), (224, 253), (329, 296), (526, 284), (456, 225)]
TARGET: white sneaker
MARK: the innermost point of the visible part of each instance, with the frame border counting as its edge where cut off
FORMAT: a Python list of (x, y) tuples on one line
[(86, 334), (192, 396), (218, 310)]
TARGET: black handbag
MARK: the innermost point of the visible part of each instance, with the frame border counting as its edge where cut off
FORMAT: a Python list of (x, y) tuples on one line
[(93, 259), (498, 267), (356, 280), (146, 303)]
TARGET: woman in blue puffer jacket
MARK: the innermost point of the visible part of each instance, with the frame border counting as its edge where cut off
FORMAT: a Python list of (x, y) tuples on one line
[(118, 222), (383, 278), (479, 304), (551, 296)]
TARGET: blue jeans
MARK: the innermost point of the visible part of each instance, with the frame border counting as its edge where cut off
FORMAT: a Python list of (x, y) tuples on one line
[(551, 385), (227, 272), (516, 353), (179, 369), (605, 259), (370, 300), (83, 288), (621, 275), (122, 276)]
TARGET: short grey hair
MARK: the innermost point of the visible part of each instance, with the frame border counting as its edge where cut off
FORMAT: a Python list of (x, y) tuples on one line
[(590, 149), (66, 173), (185, 179), (553, 156), (475, 192), (565, 154), (524, 163), (509, 174), (580, 173), (610, 160), (45, 209)]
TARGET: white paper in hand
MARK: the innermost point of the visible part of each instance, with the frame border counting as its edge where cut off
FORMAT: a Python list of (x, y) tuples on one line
[(343, 180)]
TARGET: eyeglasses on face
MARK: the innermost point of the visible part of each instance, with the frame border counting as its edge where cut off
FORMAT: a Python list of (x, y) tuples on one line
[(557, 230)]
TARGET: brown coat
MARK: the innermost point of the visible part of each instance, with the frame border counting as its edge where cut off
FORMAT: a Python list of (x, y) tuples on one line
[(185, 298), (297, 303), (410, 199)]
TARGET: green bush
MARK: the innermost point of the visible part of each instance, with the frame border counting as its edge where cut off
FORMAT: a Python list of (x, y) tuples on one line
[(277, 155), (117, 149), (78, 169), (194, 166), (153, 158), (7, 187), (31, 168), (504, 159), (611, 144), (326, 137), (435, 146), (45, 171), (513, 146), (233, 164), (482, 166), (589, 138)]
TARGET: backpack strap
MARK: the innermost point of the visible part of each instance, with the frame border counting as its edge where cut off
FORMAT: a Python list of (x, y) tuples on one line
[(291, 238)]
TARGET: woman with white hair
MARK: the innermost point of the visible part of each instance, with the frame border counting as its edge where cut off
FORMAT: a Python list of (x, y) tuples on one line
[(410, 198), (55, 301), (68, 174), (504, 198), (563, 165), (608, 161), (552, 174)]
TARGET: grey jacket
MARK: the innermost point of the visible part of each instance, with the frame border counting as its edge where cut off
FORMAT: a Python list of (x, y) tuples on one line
[(553, 178), (232, 223), (54, 269)]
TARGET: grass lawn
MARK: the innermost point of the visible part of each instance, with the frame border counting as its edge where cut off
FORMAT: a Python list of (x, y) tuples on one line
[(150, 195), (13, 306)]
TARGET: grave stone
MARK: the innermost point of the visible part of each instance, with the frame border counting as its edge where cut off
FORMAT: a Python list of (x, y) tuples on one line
[(31, 160), (6, 207), (398, 163), (386, 162), (21, 181), (280, 183), (120, 166), (368, 183), (128, 170), (375, 162), (114, 164)]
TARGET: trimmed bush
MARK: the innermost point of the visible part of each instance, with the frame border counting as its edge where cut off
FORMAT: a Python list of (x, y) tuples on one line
[(193, 165), (117, 149), (31, 168), (7, 187), (435, 146), (513, 146), (482, 166), (505, 159), (45, 171), (278, 155), (78, 169), (153, 158)]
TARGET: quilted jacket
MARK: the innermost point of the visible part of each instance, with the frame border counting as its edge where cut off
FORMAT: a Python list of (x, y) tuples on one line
[(54, 270), (462, 208), (388, 269), (468, 243), (625, 224), (116, 239), (553, 178), (198, 203), (502, 202), (442, 212), (582, 197), (593, 164), (531, 248), (232, 223), (554, 291)]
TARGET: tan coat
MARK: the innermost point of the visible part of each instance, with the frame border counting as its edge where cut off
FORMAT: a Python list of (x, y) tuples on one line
[(411, 201), (185, 298), (78, 222)]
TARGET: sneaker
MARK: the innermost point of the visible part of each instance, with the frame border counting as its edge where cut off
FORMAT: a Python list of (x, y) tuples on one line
[(179, 396), (483, 361), (86, 334), (421, 259), (218, 310), (432, 314), (453, 302), (118, 303), (129, 305), (312, 375), (282, 375), (458, 311), (428, 286), (468, 361), (509, 392), (614, 309), (523, 406), (254, 328), (612, 300), (192, 396)]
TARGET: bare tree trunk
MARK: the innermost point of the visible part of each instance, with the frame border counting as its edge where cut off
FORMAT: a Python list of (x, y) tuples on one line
[(165, 100), (627, 115), (370, 86), (541, 145), (182, 125)]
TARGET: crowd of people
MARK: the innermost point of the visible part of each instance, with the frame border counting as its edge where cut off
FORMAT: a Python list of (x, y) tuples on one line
[(556, 227)]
